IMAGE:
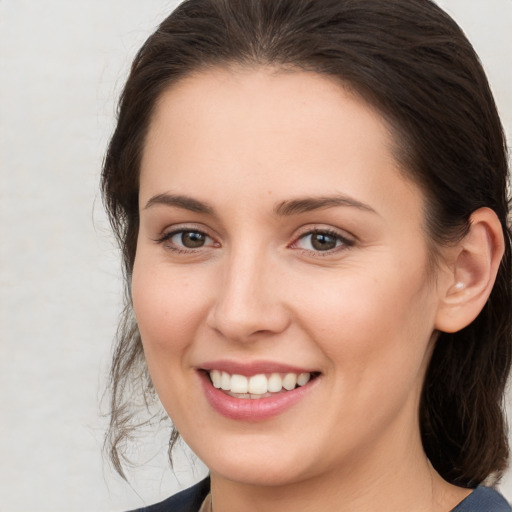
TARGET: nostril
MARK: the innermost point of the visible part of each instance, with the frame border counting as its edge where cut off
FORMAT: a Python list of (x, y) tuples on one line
[(247, 325)]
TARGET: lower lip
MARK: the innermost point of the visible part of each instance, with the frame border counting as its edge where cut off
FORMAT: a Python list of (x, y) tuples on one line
[(246, 409)]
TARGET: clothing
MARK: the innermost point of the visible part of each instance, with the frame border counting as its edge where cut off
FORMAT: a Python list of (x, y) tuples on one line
[(189, 500), (207, 504), (482, 499)]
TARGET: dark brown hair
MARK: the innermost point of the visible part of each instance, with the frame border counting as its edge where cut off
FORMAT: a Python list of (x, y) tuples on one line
[(410, 61)]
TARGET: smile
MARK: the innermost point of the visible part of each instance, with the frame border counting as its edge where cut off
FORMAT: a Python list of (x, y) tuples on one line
[(257, 386), (255, 392)]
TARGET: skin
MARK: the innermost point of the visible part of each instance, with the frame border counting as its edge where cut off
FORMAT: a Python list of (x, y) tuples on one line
[(244, 142)]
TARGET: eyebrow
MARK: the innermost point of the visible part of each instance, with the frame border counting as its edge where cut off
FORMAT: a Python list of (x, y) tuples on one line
[(283, 209), (307, 204), (184, 202)]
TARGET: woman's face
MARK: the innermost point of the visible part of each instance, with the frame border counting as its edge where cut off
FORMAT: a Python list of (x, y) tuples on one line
[(279, 241)]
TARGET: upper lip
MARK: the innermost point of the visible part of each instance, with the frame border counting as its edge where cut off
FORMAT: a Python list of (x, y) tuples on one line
[(253, 367)]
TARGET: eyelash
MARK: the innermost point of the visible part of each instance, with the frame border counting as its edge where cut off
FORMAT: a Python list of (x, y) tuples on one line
[(166, 237), (344, 242)]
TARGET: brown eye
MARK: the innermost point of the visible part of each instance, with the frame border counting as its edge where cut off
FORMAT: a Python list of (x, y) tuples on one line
[(192, 239), (317, 241), (323, 241), (182, 240)]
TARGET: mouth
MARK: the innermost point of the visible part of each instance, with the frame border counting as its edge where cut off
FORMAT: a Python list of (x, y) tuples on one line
[(261, 385), (255, 392)]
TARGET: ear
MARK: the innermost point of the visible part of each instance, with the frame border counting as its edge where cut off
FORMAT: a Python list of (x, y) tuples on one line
[(472, 266)]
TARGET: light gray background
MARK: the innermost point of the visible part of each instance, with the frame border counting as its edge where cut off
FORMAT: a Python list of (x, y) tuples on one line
[(62, 65)]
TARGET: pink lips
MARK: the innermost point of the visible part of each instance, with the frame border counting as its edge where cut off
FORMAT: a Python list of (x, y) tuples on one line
[(252, 409), (253, 368)]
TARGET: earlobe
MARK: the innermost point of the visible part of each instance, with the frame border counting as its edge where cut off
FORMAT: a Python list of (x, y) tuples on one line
[(473, 269)]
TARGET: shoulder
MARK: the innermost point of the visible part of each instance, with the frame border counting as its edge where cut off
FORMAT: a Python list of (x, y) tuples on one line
[(188, 500), (483, 499)]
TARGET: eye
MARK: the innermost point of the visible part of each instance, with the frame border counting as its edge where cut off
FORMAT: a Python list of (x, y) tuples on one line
[(189, 239), (322, 241), (185, 239)]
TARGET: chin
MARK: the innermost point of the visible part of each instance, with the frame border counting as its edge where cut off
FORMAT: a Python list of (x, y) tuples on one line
[(261, 473), (257, 461)]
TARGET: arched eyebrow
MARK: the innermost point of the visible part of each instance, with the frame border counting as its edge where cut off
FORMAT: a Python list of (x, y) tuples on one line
[(283, 209), (307, 204), (184, 202)]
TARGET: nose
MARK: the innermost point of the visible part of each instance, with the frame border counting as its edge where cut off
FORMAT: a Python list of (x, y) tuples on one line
[(248, 304)]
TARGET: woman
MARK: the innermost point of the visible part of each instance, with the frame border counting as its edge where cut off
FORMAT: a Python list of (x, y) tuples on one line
[(310, 197)]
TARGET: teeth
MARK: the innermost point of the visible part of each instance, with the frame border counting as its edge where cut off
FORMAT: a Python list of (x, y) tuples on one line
[(239, 384), (303, 379), (225, 381), (216, 377), (275, 383), (290, 381), (258, 385)]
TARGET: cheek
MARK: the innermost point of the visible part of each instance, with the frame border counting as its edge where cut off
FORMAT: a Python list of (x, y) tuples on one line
[(376, 337), (373, 323), (167, 307)]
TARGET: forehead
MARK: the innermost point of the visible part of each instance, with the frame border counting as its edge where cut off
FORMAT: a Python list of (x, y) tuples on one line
[(257, 96), (261, 131)]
